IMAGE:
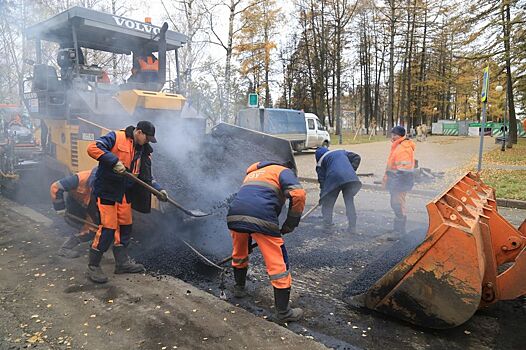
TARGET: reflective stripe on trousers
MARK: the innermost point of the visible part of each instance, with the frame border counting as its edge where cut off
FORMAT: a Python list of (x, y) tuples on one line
[(273, 251)]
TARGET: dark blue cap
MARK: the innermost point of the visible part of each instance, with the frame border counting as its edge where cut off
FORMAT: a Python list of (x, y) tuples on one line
[(398, 130)]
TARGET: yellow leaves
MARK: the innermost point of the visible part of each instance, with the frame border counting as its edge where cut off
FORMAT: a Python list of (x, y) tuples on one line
[(255, 40)]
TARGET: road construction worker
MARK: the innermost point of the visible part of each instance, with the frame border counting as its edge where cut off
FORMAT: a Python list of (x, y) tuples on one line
[(145, 68), (118, 152), (336, 171), (399, 175), (75, 207), (253, 214)]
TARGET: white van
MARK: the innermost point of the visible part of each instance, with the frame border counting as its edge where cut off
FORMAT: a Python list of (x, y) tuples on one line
[(317, 134)]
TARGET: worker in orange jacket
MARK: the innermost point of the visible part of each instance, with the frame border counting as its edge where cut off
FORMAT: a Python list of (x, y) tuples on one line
[(77, 204), (145, 68), (118, 152), (253, 214), (399, 175)]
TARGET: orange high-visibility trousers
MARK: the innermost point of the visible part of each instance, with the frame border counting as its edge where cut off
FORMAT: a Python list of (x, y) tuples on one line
[(115, 224), (273, 251)]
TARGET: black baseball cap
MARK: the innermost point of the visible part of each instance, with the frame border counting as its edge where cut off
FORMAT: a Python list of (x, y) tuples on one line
[(148, 129)]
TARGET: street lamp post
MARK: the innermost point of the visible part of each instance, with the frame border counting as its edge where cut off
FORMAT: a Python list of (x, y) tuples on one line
[(484, 99)]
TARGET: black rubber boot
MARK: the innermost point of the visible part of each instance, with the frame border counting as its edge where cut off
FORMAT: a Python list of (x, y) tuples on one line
[(283, 312), (67, 249), (399, 224), (240, 276), (94, 272), (123, 263)]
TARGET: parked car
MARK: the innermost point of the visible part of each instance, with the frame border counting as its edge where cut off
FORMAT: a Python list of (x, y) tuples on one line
[(317, 134)]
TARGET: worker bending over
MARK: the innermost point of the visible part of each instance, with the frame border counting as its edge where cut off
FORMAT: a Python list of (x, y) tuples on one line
[(118, 152), (77, 205), (399, 175), (336, 171), (253, 214)]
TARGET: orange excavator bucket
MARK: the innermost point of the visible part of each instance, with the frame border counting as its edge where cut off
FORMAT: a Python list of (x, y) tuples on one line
[(471, 257)]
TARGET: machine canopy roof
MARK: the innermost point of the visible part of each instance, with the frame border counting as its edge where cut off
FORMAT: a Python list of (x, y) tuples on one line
[(102, 31)]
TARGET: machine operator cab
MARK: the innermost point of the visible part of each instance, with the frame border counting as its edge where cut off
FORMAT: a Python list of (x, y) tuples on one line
[(80, 88)]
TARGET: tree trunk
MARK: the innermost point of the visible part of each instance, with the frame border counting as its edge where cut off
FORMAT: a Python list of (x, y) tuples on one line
[(506, 23), (390, 102), (421, 77), (228, 59)]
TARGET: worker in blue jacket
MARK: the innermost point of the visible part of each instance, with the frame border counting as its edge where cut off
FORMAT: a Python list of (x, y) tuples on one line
[(336, 171)]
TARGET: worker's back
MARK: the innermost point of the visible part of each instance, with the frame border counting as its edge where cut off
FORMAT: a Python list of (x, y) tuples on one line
[(258, 203)]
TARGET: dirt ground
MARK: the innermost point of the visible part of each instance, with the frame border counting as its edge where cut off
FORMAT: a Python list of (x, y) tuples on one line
[(47, 303)]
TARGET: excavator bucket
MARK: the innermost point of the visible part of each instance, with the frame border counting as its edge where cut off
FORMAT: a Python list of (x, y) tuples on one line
[(471, 257)]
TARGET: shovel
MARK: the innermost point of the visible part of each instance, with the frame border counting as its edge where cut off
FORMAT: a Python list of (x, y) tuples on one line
[(195, 213), (254, 245), (82, 221)]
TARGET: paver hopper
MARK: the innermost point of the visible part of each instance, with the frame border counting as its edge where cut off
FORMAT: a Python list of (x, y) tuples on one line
[(471, 257)]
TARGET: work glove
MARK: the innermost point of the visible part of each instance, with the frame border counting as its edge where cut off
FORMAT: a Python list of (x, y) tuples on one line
[(119, 168), (290, 224), (61, 212), (163, 196)]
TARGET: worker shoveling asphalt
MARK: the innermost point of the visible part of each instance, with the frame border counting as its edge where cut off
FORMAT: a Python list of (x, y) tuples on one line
[(254, 245)]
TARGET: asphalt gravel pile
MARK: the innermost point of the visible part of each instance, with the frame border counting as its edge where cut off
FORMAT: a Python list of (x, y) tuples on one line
[(379, 267), (202, 173)]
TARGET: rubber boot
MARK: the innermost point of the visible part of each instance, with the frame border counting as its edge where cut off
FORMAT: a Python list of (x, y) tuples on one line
[(352, 230), (94, 272), (67, 249), (240, 276), (399, 224), (283, 312), (123, 263)]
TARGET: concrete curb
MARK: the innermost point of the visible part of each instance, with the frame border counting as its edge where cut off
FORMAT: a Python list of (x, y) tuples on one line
[(501, 202), (426, 193), (511, 203)]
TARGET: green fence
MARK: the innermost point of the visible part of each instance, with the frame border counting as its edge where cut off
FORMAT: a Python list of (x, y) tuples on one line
[(450, 129), (496, 128)]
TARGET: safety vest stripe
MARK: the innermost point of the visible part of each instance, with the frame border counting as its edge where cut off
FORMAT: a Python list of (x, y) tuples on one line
[(265, 184), (279, 275), (323, 157), (252, 220)]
